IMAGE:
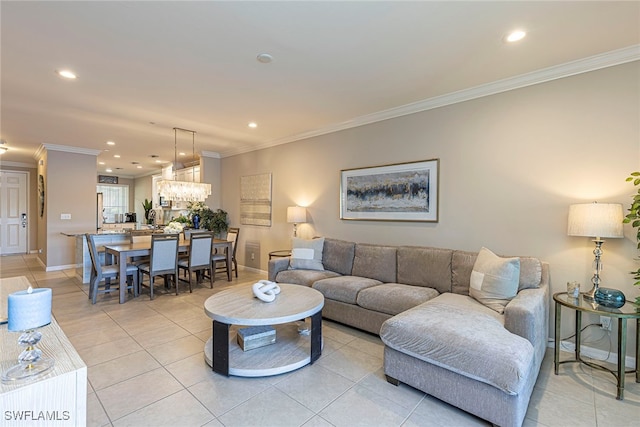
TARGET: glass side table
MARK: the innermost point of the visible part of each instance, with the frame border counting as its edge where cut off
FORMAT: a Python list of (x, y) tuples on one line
[(628, 311)]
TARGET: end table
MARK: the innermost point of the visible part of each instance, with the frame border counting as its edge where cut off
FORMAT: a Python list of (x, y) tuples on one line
[(628, 311), (280, 254)]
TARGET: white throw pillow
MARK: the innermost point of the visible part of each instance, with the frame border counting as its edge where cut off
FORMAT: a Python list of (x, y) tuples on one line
[(306, 254), (494, 280)]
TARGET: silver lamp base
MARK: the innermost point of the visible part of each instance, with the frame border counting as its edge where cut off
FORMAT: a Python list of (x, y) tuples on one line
[(591, 294)]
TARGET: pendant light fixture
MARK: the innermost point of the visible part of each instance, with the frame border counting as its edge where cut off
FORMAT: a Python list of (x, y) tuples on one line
[(183, 191)]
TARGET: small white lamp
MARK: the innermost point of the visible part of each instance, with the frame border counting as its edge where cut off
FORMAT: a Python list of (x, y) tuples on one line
[(595, 220), (296, 215)]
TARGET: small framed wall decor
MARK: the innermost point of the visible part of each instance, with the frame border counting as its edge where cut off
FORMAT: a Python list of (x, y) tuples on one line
[(106, 179), (395, 192)]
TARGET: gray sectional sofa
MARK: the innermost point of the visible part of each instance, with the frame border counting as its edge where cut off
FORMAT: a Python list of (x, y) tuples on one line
[(437, 338)]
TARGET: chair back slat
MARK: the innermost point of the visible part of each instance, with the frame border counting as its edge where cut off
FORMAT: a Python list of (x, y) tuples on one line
[(232, 236)]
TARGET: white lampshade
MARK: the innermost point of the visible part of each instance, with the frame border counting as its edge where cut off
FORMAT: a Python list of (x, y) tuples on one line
[(296, 214), (595, 220)]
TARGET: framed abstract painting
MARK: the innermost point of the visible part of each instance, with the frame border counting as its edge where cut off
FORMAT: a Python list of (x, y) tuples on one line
[(395, 192)]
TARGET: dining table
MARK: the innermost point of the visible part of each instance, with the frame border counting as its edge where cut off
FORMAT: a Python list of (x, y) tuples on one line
[(121, 252)]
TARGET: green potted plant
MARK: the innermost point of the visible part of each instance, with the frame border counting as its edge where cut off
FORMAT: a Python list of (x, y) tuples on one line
[(215, 221), (147, 205), (633, 218)]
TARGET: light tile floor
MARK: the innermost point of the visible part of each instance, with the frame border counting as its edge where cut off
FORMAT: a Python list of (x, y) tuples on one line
[(146, 368)]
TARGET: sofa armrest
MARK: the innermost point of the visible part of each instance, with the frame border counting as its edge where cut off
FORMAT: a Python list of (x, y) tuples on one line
[(277, 265), (527, 314)]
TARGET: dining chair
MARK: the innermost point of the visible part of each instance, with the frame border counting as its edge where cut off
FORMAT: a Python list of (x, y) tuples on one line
[(199, 257), (232, 236), (140, 236), (163, 261), (105, 273), (186, 234)]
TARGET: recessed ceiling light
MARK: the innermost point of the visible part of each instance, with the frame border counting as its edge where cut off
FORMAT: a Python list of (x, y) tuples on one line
[(108, 170), (265, 58), (101, 163), (67, 74), (139, 167), (182, 154), (515, 36), (111, 143), (158, 161), (253, 125), (117, 156)]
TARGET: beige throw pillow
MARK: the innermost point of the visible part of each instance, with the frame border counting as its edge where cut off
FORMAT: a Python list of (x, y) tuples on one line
[(494, 280), (306, 254)]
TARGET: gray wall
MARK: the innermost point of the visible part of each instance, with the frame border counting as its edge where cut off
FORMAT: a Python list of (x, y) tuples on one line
[(510, 166), (67, 190)]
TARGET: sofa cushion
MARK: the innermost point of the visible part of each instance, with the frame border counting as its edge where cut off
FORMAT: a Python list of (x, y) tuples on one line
[(458, 333), (462, 264), (494, 280), (303, 277), (424, 266), (344, 288), (307, 254), (375, 262), (394, 298), (338, 256), (530, 273)]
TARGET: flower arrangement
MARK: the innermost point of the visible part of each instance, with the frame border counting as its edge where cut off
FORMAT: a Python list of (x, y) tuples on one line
[(173, 228)]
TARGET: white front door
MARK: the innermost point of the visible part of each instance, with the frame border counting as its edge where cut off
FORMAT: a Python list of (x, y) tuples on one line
[(13, 212)]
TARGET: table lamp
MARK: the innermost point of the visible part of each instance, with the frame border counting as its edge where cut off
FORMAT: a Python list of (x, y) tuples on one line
[(595, 220), (296, 215), (28, 310)]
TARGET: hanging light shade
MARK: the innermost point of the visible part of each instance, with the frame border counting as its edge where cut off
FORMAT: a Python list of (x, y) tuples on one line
[(183, 191)]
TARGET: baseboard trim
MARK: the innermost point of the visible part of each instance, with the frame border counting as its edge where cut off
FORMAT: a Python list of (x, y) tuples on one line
[(251, 269), (61, 267), (594, 353)]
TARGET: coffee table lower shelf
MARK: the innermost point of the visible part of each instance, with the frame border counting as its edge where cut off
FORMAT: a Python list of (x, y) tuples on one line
[(290, 352)]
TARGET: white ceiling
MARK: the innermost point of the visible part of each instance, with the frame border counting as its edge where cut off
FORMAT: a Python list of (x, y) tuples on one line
[(336, 64)]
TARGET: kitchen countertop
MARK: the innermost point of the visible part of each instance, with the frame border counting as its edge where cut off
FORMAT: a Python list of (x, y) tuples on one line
[(97, 233)]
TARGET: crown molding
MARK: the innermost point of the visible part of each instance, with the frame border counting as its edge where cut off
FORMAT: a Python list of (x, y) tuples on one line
[(211, 154), (66, 149), (18, 165), (584, 65)]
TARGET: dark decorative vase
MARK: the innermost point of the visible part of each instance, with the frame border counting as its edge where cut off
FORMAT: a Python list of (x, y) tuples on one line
[(196, 220), (611, 298)]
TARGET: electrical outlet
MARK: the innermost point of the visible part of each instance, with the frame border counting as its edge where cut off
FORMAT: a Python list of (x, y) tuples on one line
[(253, 256), (65, 216), (605, 321)]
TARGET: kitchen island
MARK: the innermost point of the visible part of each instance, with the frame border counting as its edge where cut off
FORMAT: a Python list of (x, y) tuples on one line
[(83, 260)]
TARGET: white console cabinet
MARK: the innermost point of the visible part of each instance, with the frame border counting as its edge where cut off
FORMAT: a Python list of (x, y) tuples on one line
[(56, 398)]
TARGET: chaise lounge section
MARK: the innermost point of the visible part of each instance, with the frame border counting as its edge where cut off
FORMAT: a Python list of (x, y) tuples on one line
[(481, 354)]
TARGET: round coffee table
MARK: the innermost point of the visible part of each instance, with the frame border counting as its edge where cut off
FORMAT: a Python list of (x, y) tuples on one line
[(292, 350)]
